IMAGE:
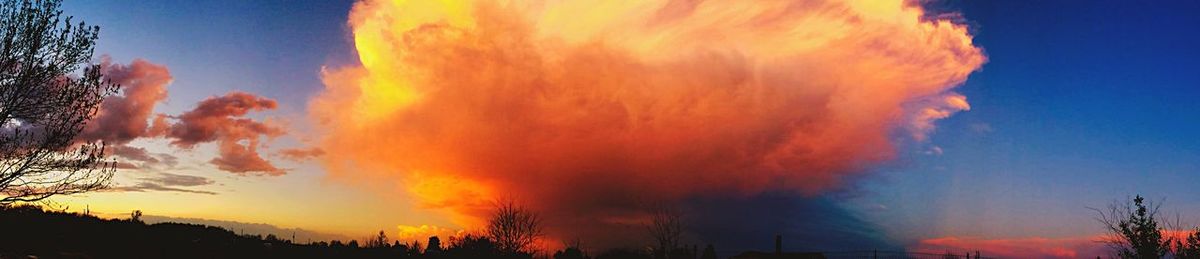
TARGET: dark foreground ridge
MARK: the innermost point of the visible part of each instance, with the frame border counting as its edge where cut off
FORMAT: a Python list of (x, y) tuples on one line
[(34, 232)]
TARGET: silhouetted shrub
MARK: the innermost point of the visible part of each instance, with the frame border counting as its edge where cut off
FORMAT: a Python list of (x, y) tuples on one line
[(1189, 247), (1134, 229), (709, 252), (472, 246), (623, 254), (570, 253), (377, 241), (434, 246)]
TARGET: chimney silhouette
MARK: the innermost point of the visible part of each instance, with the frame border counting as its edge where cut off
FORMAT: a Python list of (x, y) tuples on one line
[(778, 245)]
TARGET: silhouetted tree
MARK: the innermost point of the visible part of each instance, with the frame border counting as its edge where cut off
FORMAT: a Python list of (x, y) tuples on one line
[(709, 252), (414, 248), (623, 254), (1134, 230), (514, 228), (474, 246), (573, 250), (135, 216), (44, 105), (1189, 247), (353, 244), (681, 253), (434, 246), (380, 240), (570, 253), (666, 227)]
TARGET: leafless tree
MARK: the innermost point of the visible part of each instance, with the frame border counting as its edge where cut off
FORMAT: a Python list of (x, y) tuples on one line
[(48, 92), (380, 240), (666, 227), (514, 228)]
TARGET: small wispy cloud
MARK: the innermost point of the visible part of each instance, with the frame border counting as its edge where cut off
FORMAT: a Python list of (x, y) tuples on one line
[(933, 151), (167, 182), (981, 127), (301, 154), (139, 158)]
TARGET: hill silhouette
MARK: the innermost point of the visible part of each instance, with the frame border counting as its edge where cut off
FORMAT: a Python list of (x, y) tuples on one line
[(300, 235), (34, 231)]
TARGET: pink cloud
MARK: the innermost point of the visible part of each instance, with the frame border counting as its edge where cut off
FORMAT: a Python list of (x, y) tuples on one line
[(221, 119), (125, 117), (1026, 247), (128, 116)]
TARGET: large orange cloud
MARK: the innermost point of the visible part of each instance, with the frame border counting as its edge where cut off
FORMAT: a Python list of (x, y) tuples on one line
[(587, 109)]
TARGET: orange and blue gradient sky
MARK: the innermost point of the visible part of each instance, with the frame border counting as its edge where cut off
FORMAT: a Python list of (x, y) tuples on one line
[(955, 125)]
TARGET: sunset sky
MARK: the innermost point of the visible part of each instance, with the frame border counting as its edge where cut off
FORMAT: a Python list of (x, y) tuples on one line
[(988, 125)]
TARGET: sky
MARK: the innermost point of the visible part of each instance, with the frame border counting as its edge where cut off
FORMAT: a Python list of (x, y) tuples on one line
[(1071, 106)]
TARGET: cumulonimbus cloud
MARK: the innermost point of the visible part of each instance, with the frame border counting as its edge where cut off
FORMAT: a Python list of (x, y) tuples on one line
[(586, 109)]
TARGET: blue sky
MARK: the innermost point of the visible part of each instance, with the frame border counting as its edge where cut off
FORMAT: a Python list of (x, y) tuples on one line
[(275, 49), (1078, 105), (273, 46)]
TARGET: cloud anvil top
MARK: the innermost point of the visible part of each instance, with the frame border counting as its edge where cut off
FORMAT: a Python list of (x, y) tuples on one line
[(591, 109)]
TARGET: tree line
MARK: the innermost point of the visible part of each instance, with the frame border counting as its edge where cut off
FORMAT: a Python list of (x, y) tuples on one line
[(512, 232)]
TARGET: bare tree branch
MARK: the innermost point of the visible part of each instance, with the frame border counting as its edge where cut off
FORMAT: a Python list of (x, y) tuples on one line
[(666, 227), (48, 92), (514, 228)]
